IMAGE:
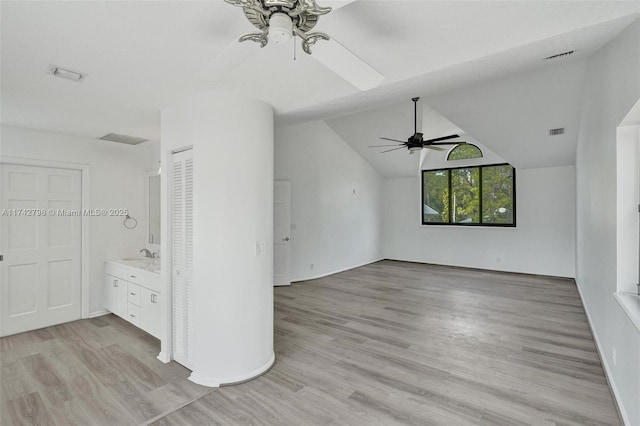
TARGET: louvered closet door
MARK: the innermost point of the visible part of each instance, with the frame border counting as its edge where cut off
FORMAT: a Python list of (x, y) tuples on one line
[(182, 255)]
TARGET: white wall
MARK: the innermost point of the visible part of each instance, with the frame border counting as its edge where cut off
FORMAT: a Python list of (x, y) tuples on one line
[(542, 242), (628, 160), (232, 139), (612, 88), (117, 179), (333, 228)]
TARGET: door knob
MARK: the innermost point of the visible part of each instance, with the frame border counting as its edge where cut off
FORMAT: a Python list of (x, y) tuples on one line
[(285, 239)]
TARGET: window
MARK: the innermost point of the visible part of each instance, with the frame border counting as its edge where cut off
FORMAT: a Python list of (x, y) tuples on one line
[(464, 151), (482, 195)]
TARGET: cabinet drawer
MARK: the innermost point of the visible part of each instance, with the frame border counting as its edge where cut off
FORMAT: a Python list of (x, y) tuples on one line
[(117, 270), (134, 293), (133, 314), (137, 276)]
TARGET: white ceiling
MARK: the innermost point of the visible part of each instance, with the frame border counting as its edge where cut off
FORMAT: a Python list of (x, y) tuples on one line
[(512, 61), (514, 115), (142, 56)]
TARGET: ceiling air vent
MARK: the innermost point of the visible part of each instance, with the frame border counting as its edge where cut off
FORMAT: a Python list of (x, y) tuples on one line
[(555, 132), (129, 140), (560, 55), (76, 76)]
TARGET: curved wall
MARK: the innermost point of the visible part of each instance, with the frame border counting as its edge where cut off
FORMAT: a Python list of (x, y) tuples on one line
[(232, 139)]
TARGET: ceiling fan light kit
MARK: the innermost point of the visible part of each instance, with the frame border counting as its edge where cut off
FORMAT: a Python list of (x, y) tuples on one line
[(279, 20), (280, 28)]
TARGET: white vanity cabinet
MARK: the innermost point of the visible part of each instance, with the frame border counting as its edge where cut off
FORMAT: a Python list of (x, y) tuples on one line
[(133, 294), (116, 289), (152, 319)]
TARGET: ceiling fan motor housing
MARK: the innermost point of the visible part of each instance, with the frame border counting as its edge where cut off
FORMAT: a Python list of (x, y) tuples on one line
[(262, 13), (279, 20)]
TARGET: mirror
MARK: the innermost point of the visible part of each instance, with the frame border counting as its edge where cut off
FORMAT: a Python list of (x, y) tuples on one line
[(153, 209)]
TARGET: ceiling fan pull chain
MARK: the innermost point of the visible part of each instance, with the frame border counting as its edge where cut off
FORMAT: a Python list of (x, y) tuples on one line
[(294, 47)]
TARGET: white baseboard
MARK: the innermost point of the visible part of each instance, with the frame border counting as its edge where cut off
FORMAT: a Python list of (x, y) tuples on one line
[(605, 364), (214, 382), (315, 277), (98, 313), (480, 268), (164, 357)]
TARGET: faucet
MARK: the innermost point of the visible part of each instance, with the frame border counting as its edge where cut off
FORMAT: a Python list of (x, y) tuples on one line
[(147, 253)]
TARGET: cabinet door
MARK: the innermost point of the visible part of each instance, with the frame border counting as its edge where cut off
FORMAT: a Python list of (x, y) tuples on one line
[(111, 293), (122, 294), (151, 312)]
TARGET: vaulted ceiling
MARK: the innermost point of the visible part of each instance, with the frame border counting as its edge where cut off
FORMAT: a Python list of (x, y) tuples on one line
[(512, 116), (142, 56)]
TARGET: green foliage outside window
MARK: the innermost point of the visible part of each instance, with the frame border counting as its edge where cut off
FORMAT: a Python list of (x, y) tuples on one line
[(464, 151), (436, 196), (482, 195), (465, 190), (497, 195)]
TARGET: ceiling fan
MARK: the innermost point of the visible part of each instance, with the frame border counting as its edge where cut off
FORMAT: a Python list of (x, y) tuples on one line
[(280, 20), (415, 143)]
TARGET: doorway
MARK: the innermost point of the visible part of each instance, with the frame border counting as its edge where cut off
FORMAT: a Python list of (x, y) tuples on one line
[(41, 227), (281, 233)]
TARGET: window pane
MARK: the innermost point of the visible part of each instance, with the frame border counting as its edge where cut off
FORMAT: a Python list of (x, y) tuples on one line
[(435, 205), (497, 194), (465, 188), (464, 151)]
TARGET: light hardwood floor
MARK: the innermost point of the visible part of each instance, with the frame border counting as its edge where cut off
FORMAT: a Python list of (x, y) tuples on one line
[(388, 343)]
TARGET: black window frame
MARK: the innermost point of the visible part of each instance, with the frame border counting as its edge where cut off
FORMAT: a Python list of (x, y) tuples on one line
[(480, 167)]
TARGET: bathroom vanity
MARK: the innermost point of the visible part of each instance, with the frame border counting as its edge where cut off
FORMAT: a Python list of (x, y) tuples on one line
[(132, 291)]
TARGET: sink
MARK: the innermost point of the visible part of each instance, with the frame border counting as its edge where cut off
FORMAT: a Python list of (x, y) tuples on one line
[(144, 263)]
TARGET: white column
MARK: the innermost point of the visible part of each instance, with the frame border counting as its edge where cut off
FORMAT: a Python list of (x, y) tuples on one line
[(232, 139)]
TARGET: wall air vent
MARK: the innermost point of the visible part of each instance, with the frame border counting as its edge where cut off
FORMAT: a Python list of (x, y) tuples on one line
[(129, 140), (560, 55), (555, 132)]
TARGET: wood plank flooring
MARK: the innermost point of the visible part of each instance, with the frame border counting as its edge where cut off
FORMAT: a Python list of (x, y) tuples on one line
[(385, 344), (101, 371)]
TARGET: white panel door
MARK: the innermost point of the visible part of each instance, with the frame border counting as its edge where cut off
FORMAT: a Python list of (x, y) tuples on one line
[(41, 244), (281, 233), (182, 256)]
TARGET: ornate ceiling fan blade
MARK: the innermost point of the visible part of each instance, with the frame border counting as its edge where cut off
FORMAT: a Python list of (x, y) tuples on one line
[(393, 140), (228, 60), (443, 138), (448, 143), (336, 4), (381, 146), (435, 148), (394, 149), (343, 62)]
